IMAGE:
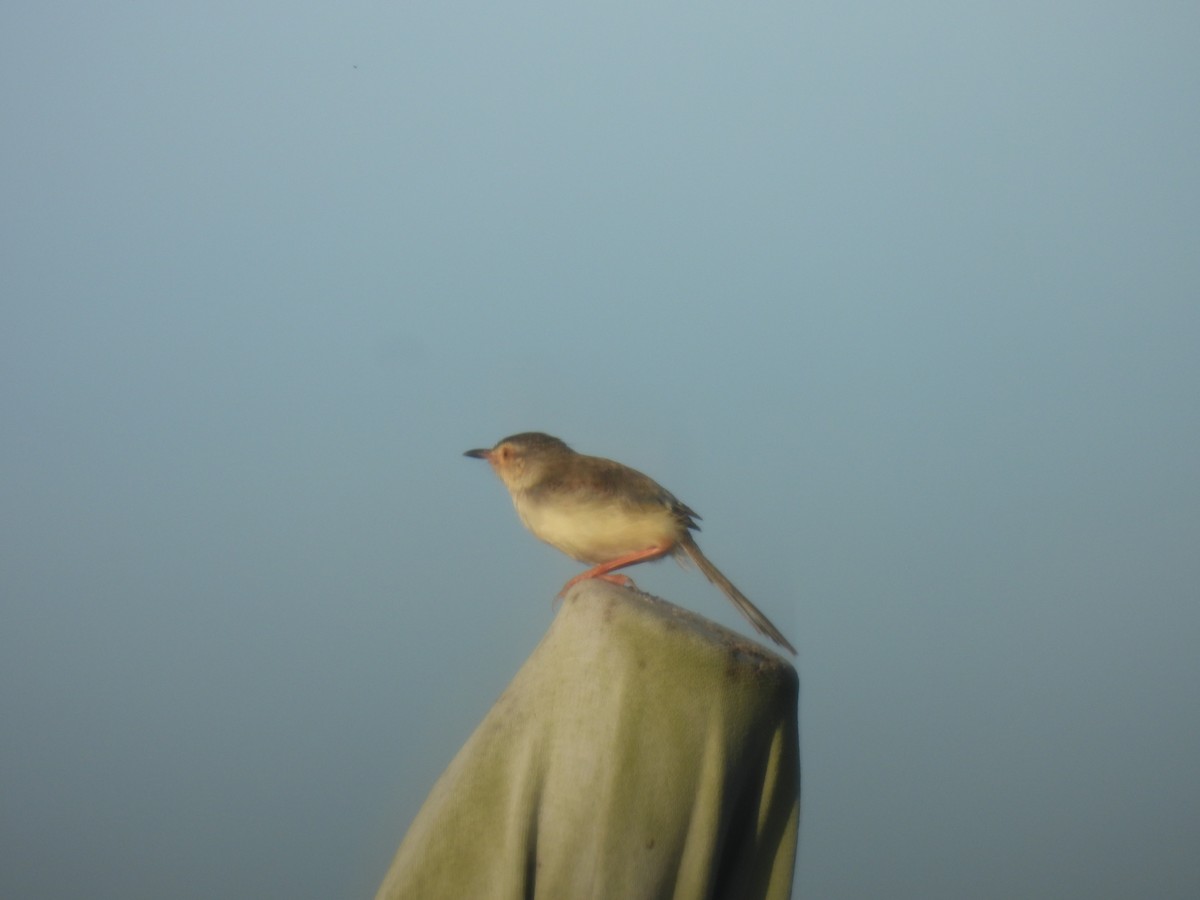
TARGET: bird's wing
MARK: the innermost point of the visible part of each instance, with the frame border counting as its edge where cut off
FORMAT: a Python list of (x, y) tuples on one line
[(611, 479)]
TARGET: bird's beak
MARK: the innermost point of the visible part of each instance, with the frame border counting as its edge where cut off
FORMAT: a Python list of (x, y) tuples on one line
[(479, 454)]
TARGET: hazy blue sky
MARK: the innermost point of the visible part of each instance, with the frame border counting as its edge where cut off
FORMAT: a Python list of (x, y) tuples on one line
[(903, 298)]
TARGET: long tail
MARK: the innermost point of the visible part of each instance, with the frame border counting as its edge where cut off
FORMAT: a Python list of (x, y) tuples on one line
[(752, 613)]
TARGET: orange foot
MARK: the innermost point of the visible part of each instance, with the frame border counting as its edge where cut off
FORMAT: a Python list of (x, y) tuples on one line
[(611, 577)]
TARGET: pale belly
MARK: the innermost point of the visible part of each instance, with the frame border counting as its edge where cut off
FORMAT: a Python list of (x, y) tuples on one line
[(598, 533)]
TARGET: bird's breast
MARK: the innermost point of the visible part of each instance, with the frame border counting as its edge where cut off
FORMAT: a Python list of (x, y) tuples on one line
[(597, 531)]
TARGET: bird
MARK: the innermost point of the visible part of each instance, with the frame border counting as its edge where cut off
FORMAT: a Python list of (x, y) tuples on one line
[(605, 514)]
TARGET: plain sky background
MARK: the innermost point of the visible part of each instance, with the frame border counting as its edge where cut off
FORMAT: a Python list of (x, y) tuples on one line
[(903, 298)]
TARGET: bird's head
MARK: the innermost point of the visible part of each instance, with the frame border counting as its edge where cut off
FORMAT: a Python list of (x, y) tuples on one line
[(522, 459)]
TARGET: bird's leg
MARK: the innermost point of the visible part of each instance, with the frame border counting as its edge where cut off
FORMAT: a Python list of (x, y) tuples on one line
[(604, 570)]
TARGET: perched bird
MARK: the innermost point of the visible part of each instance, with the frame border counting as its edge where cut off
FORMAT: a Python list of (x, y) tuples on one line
[(603, 513)]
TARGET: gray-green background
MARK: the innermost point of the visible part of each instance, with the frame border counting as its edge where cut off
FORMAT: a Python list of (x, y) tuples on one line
[(903, 298)]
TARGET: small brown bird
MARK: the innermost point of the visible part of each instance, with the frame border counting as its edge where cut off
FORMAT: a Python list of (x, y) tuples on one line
[(603, 513)]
